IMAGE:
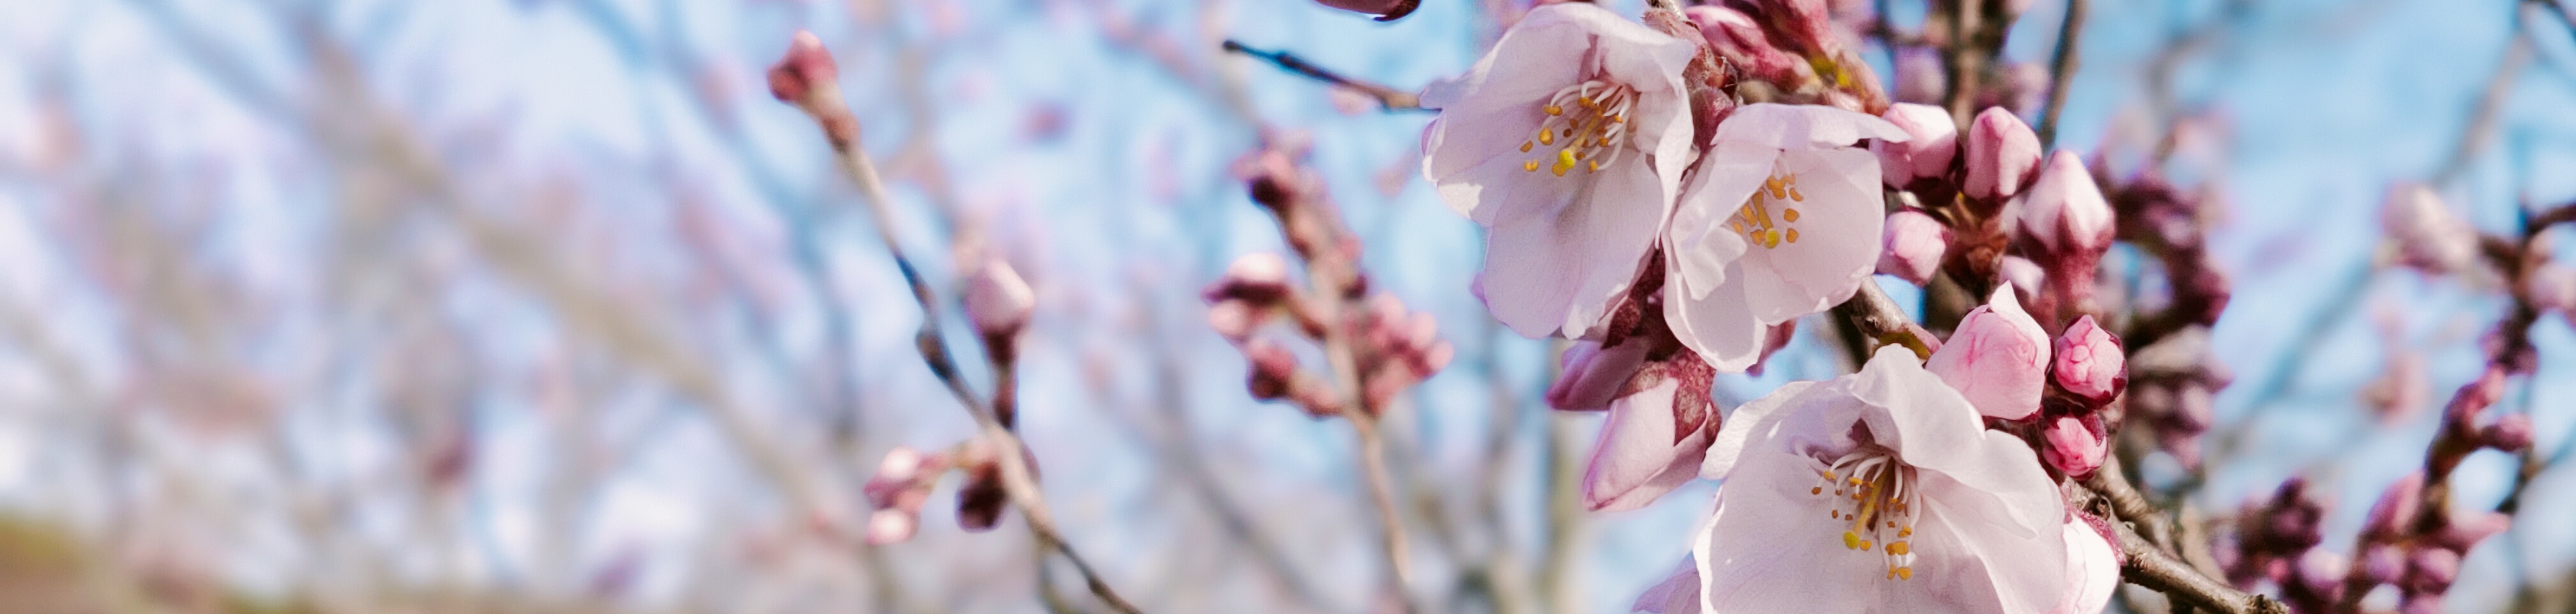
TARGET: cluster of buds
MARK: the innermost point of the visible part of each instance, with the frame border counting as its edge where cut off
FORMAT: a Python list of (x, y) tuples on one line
[(2171, 384), (2171, 224), (1391, 348), (2410, 542), (2275, 541), (2087, 372), (1662, 417), (905, 478), (1789, 51), (1963, 184)]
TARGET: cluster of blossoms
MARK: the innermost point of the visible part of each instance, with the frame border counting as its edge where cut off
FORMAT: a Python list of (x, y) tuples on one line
[(1636, 205)]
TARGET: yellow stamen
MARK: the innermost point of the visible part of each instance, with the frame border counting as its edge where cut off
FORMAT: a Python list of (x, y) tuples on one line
[(1553, 110), (1898, 548), (1785, 214), (1531, 166), (1547, 137), (1525, 147), (1851, 540), (1904, 573), (1564, 162), (1792, 236)]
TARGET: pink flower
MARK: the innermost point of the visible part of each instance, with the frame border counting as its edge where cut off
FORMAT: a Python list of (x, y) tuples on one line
[(1740, 40), (2089, 363), (1641, 454), (2092, 570), (2065, 212), (1912, 247), (1781, 221), (1567, 143), (2551, 288), (1998, 359), (2002, 154), (1924, 508), (998, 301), (2075, 444), (2429, 237), (1934, 143), (1677, 594), (1593, 376)]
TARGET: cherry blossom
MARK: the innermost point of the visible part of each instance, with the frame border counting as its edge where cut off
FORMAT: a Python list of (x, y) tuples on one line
[(1567, 142), (1924, 509), (1782, 220), (1998, 359)]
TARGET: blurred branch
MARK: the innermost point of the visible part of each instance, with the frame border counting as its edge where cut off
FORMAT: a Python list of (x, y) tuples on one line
[(2061, 69), (1388, 98)]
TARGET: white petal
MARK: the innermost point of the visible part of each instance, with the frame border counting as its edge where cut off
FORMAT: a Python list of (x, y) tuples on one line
[(1699, 243), (1719, 326), (1677, 594), (1963, 564), (1772, 547), (1560, 271), (1638, 457), (1932, 428), (2092, 569), (1782, 126), (1762, 416), (1837, 245)]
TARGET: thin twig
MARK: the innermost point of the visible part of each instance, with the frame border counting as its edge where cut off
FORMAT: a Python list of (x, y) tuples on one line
[(840, 129), (2061, 69), (2149, 566), (1388, 98)]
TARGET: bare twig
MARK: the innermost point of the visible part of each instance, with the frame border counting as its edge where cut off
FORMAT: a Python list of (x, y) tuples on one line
[(2149, 566), (1388, 98), (2061, 69), (821, 101)]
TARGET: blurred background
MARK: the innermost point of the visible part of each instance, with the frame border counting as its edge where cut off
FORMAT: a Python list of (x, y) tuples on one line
[(545, 306)]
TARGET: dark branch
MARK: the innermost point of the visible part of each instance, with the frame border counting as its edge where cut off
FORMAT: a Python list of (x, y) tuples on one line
[(1388, 98)]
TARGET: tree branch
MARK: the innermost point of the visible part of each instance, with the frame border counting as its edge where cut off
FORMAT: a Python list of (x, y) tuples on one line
[(1388, 98)]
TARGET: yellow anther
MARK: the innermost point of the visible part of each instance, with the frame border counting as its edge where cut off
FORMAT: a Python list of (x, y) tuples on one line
[(1564, 162), (1904, 573), (1851, 540), (1547, 137), (1786, 214), (1596, 167), (1553, 110), (1525, 147), (1586, 101), (1795, 196), (1908, 531), (1771, 238), (1834, 514), (1864, 545), (1898, 548), (1618, 119), (1816, 491), (1792, 236)]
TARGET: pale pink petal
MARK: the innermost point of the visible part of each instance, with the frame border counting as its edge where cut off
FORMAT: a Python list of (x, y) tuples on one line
[(1911, 246), (2002, 154), (2065, 211), (1700, 247), (1638, 457), (1934, 143), (1677, 594), (1756, 421), (1998, 359), (1591, 376), (1719, 325), (1935, 429), (1561, 271), (1836, 235), (1782, 126), (1768, 548), (2092, 569), (1972, 560)]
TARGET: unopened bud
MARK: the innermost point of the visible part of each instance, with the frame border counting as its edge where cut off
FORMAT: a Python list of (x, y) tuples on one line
[(1928, 154), (806, 66), (1801, 26), (2429, 237), (2394, 514), (1998, 358), (2432, 570), (2089, 363), (2066, 211), (2511, 433), (1738, 38), (2076, 445), (2551, 288), (2003, 154), (1384, 10), (891, 526), (1911, 246), (998, 301)]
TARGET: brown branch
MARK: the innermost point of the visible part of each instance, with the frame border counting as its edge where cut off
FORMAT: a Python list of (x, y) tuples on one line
[(2061, 69), (2149, 566), (1388, 98)]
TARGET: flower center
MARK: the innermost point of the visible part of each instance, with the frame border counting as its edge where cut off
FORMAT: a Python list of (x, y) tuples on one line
[(1586, 125), (1754, 221), (1874, 492)]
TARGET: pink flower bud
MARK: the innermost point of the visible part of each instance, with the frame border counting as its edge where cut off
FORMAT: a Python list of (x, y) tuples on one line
[(2002, 155), (2065, 211), (807, 65), (1801, 26), (892, 526), (2511, 433), (2429, 237), (2089, 363), (1593, 376), (1911, 246), (2075, 444), (1385, 10), (1640, 455), (1998, 358), (2432, 570), (1738, 38), (998, 301), (2382, 563), (1234, 319), (2551, 288), (1934, 144), (2394, 514)]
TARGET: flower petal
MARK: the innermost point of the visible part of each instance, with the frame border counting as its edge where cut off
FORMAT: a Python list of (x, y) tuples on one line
[(1932, 428), (1768, 549), (1755, 420), (2092, 570), (1719, 325), (1592, 376), (1998, 358), (1782, 126), (1638, 457), (1965, 564), (1837, 239), (1560, 271), (1677, 594)]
